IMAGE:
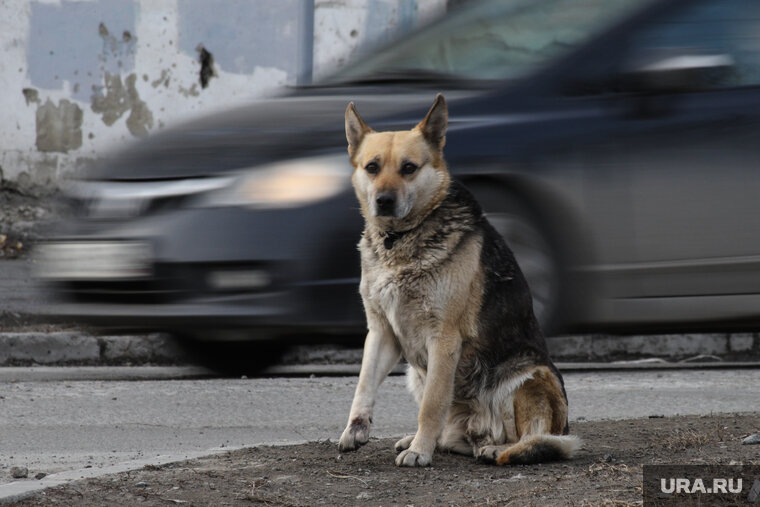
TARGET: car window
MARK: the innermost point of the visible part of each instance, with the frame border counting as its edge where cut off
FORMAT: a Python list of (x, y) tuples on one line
[(720, 34), (500, 39)]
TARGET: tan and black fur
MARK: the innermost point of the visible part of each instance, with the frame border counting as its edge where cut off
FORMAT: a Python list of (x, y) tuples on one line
[(442, 288)]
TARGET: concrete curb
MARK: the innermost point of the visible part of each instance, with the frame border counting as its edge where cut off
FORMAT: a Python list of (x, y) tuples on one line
[(15, 374), (78, 348), (604, 347), (71, 347)]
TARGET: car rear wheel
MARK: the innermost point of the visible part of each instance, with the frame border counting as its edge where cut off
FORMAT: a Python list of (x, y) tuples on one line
[(232, 358), (532, 247)]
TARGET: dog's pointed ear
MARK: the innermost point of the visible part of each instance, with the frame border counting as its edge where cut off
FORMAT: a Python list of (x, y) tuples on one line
[(433, 127), (356, 129)]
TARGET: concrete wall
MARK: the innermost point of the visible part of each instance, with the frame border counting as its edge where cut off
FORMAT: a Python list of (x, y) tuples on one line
[(79, 77)]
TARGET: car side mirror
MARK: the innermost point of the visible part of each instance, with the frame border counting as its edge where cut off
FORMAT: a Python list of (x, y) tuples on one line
[(674, 72)]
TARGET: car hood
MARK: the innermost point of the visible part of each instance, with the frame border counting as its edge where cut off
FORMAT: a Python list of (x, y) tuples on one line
[(294, 125)]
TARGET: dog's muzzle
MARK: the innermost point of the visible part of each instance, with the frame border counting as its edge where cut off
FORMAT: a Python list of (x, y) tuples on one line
[(385, 204)]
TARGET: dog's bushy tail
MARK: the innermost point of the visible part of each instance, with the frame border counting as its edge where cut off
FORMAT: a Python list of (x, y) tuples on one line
[(539, 449)]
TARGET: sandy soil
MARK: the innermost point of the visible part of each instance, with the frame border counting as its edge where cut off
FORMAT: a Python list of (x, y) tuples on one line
[(607, 471)]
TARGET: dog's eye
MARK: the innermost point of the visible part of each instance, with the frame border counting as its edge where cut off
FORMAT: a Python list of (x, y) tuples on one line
[(408, 168), (372, 168)]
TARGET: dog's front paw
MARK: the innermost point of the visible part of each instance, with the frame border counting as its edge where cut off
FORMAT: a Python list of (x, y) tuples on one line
[(409, 458), (404, 443), (356, 434), (488, 454)]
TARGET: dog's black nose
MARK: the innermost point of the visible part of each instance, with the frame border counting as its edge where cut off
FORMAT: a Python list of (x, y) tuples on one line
[(386, 202)]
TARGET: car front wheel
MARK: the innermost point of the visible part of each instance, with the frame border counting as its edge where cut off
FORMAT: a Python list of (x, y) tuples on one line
[(531, 245)]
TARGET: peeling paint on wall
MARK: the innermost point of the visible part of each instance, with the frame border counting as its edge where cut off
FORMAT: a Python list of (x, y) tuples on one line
[(189, 92), (207, 65), (267, 36), (113, 103), (116, 98), (163, 80), (116, 48), (72, 66), (141, 118), (59, 128), (31, 96)]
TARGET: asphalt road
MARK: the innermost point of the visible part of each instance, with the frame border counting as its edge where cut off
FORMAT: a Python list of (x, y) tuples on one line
[(51, 426)]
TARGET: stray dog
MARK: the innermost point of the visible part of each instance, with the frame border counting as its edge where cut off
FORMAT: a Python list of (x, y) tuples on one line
[(442, 288)]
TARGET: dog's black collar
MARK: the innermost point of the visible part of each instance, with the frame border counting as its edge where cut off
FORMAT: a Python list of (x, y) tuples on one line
[(390, 237)]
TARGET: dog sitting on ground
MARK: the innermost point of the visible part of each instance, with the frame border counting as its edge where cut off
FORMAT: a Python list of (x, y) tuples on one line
[(441, 287)]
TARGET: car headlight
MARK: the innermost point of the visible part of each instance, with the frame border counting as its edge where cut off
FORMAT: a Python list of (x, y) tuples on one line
[(285, 184)]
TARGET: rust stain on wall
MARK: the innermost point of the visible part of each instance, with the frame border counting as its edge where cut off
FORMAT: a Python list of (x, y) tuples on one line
[(59, 128)]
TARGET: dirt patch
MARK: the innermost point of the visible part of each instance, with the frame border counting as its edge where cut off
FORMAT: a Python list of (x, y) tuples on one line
[(607, 471), (23, 217)]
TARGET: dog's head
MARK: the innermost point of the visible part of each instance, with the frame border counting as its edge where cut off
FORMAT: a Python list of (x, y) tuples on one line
[(399, 177)]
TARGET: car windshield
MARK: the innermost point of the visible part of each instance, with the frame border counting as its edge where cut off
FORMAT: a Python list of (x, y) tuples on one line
[(491, 40)]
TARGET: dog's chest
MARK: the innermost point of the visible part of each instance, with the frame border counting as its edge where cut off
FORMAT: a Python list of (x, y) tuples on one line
[(408, 299)]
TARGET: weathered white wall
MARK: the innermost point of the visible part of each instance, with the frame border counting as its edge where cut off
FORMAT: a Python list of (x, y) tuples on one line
[(79, 77)]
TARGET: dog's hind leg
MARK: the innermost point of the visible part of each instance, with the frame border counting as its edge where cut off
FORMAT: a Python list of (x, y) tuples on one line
[(454, 437), (540, 410), (452, 440), (381, 353), (456, 444), (404, 443)]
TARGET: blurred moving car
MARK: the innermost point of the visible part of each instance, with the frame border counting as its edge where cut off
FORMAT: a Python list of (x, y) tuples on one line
[(612, 142)]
